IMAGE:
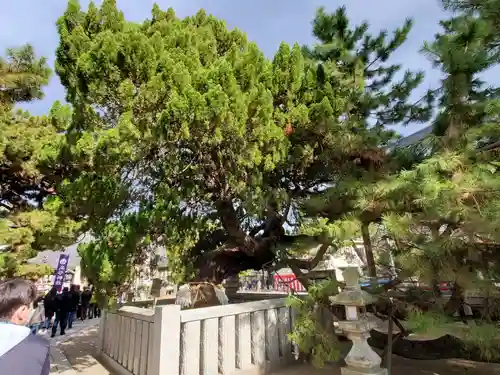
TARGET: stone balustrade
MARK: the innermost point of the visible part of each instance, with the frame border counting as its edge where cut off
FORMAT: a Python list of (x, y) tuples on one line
[(241, 339)]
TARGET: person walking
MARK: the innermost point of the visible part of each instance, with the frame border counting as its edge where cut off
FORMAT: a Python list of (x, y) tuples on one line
[(37, 318), (93, 305), (74, 302), (62, 307), (21, 353), (79, 308), (86, 296), (49, 307)]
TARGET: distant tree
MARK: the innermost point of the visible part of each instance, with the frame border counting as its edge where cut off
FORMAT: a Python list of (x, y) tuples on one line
[(22, 76), (467, 47)]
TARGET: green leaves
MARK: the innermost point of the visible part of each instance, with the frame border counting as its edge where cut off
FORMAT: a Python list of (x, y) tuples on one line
[(467, 47), (174, 119), (30, 167), (169, 81), (21, 77), (309, 333), (357, 52)]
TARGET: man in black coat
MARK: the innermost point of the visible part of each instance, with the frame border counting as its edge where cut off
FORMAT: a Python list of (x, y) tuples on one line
[(75, 301), (49, 307), (86, 296), (62, 304), (21, 353)]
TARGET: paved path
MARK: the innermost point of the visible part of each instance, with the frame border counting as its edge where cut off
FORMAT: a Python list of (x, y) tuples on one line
[(75, 352)]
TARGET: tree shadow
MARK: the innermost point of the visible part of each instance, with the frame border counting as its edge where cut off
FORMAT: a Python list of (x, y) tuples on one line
[(443, 367), (441, 359), (81, 351), (407, 367)]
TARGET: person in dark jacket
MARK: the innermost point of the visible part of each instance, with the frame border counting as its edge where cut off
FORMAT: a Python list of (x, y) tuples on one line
[(79, 308), (62, 307), (94, 306), (86, 296), (21, 353), (49, 306), (75, 301)]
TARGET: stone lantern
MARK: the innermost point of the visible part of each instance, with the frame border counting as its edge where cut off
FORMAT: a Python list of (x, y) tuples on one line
[(362, 359)]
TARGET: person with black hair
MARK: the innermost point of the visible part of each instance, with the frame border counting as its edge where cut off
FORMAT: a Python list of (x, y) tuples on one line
[(74, 294), (85, 299), (49, 306), (21, 353), (62, 304)]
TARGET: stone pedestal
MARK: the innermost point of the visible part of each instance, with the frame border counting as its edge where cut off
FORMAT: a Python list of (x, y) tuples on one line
[(362, 359), (231, 286), (353, 371), (130, 297)]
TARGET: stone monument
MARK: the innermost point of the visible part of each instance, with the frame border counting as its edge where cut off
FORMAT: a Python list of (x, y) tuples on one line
[(231, 286), (362, 359)]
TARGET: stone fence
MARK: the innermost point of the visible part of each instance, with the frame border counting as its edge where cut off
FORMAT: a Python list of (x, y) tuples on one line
[(240, 339)]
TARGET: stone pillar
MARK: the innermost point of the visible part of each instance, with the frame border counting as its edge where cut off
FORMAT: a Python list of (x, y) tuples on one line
[(130, 297), (362, 359), (231, 286)]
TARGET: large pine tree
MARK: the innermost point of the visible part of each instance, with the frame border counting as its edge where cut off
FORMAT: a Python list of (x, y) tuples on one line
[(190, 137), (384, 101), (442, 213)]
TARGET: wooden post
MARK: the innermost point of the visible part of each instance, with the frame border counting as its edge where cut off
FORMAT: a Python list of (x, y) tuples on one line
[(165, 356)]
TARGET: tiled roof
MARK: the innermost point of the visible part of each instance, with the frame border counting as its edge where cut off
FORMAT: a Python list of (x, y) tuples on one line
[(415, 137), (51, 257)]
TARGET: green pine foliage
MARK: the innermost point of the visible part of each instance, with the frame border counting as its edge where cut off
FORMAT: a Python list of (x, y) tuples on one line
[(486, 10), (180, 133), (184, 133), (22, 76), (447, 203), (442, 212), (438, 200), (29, 206), (384, 100), (462, 51), (309, 334)]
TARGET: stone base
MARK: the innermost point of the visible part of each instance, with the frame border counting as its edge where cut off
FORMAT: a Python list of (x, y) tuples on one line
[(355, 371)]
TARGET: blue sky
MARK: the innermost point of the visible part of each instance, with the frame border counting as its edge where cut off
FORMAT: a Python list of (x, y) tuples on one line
[(267, 22)]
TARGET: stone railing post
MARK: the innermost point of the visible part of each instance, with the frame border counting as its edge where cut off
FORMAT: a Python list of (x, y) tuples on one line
[(166, 344), (102, 328), (231, 286), (362, 359)]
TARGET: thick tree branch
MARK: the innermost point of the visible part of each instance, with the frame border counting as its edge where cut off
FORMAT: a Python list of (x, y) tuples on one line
[(309, 264), (304, 280), (231, 223)]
